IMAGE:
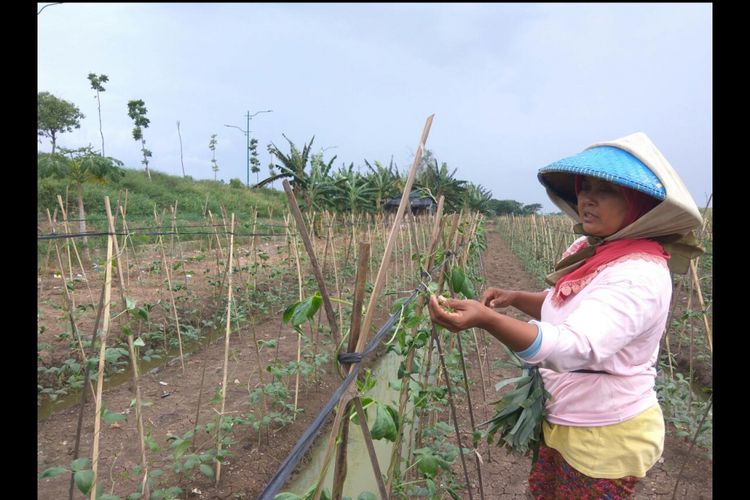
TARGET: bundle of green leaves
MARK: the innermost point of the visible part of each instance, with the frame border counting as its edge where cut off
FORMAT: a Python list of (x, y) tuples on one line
[(519, 413)]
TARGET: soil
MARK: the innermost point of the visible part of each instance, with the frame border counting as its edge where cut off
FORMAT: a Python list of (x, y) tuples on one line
[(174, 393)]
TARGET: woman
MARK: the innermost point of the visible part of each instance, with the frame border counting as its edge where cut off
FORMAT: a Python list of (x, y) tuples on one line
[(595, 335)]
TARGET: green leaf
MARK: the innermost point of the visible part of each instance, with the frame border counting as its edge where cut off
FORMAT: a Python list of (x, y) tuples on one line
[(139, 342), (142, 313), (53, 471), (179, 446), (289, 311), (519, 380), (80, 463), (305, 310), (367, 495), (286, 496), (110, 417), (394, 415), (207, 470), (384, 426), (152, 444), (83, 480), (267, 343), (129, 303), (429, 465)]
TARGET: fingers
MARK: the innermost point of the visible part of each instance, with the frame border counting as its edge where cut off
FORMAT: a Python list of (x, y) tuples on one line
[(487, 296), (439, 315)]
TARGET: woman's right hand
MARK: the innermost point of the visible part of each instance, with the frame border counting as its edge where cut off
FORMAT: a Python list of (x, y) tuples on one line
[(497, 297)]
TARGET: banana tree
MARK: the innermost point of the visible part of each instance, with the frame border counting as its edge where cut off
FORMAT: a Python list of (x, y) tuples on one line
[(438, 181), (478, 198), (292, 167), (384, 182)]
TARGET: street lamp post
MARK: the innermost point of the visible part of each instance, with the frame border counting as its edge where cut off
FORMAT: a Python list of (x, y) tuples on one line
[(247, 138)]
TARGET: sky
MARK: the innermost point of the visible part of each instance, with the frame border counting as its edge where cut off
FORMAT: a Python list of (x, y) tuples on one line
[(513, 87)]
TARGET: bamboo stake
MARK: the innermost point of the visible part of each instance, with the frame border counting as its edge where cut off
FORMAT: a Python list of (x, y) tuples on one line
[(313, 262), (75, 249), (45, 267), (299, 337), (365, 332), (255, 249), (336, 272), (226, 350), (171, 295), (70, 304), (100, 374), (179, 243), (67, 231), (123, 209), (453, 409), (471, 417), (198, 406), (394, 467), (709, 336), (173, 209), (370, 448), (339, 475), (133, 357), (82, 404)]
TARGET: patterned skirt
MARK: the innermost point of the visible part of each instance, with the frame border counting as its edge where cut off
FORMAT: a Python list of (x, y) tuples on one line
[(552, 478)]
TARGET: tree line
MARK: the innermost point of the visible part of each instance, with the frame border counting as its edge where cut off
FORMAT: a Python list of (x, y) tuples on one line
[(313, 178)]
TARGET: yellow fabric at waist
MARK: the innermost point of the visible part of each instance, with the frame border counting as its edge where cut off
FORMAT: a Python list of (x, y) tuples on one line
[(629, 448)]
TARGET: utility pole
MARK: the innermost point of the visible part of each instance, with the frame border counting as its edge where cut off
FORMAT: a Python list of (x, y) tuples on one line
[(247, 131)]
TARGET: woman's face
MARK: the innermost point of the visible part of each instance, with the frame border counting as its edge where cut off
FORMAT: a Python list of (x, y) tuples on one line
[(601, 207)]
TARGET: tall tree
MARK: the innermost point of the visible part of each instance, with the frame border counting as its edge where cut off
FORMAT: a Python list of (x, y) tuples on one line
[(137, 112), (212, 147), (96, 84), (254, 161), (55, 116)]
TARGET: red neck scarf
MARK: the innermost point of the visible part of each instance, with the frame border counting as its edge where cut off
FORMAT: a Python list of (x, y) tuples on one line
[(611, 251)]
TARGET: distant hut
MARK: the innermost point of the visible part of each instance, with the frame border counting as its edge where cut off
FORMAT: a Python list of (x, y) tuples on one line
[(420, 203)]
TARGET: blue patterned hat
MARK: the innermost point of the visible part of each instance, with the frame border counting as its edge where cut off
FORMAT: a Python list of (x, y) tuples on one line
[(604, 162)]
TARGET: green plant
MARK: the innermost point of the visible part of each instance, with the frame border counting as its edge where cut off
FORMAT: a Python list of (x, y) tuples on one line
[(519, 413), (83, 476)]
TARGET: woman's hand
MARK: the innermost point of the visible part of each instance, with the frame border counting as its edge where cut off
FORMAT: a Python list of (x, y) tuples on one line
[(465, 313), (497, 297)]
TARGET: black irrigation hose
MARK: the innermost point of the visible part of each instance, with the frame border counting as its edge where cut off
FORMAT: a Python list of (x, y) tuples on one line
[(288, 465)]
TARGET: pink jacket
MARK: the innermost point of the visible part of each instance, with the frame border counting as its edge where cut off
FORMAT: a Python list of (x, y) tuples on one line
[(614, 324)]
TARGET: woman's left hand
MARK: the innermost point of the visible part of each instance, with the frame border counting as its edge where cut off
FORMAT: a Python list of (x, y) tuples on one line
[(466, 313)]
